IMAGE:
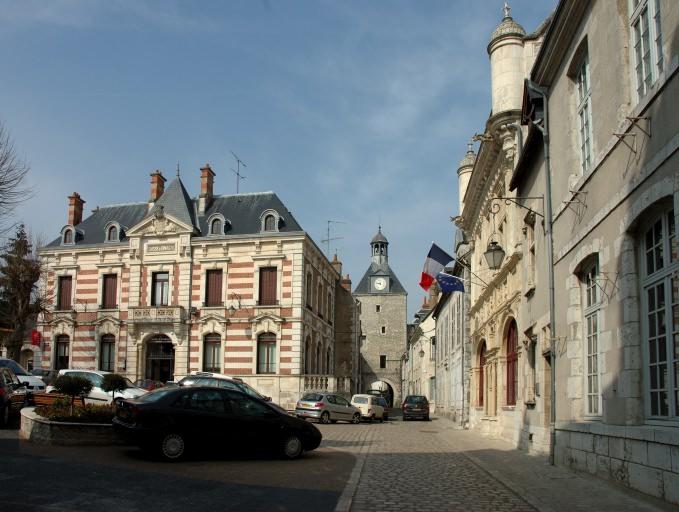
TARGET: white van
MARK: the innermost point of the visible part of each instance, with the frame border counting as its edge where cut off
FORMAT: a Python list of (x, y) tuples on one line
[(369, 406)]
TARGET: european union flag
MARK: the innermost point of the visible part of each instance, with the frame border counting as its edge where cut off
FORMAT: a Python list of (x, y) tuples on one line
[(448, 283)]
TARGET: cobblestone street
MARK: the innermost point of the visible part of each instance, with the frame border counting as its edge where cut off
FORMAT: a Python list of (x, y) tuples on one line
[(432, 466)]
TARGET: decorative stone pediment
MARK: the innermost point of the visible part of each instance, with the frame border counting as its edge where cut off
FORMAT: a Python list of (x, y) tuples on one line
[(107, 325), (213, 317), (159, 224), (266, 322)]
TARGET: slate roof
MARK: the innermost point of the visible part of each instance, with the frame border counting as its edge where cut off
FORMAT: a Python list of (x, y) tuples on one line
[(379, 237), (243, 211), (364, 284)]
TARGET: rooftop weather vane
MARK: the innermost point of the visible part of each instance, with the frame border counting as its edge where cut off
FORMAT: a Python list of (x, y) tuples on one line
[(236, 171)]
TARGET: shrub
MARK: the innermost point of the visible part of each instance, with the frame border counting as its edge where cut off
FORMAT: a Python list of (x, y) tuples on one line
[(114, 382), (86, 414), (73, 387)]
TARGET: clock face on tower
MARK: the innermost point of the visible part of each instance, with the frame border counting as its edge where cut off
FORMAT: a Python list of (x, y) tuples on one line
[(380, 283)]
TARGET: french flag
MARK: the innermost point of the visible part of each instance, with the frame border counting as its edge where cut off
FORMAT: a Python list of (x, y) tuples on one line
[(436, 260)]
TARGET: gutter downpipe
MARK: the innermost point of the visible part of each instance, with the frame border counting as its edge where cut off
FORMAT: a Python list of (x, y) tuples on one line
[(550, 265)]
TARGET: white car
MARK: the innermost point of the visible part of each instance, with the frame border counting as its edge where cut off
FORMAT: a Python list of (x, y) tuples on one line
[(98, 395), (369, 406), (33, 383)]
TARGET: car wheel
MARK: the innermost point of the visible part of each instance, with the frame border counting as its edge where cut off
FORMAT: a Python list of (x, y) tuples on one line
[(382, 419), (426, 418), (372, 418), (356, 418), (325, 418), (405, 418), (292, 447), (333, 421), (172, 446)]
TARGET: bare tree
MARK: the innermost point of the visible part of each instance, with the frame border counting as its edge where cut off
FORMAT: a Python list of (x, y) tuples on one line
[(13, 172)]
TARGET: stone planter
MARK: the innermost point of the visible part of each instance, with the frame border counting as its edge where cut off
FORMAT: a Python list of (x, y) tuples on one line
[(36, 429)]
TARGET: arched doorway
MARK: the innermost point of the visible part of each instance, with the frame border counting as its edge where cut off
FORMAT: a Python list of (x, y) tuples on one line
[(482, 371), (384, 389), (160, 358)]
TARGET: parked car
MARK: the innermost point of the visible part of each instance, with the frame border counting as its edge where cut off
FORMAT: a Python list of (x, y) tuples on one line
[(385, 406), (327, 408), (13, 395), (98, 395), (47, 376), (415, 406), (369, 407), (148, 384), (221, 381), (171, 421), (33, 383)]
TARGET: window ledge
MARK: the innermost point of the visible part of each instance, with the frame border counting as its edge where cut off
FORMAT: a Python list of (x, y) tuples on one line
[(509, 408)]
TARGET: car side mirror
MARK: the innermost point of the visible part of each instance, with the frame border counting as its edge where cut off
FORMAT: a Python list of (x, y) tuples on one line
[(20, 385), (267, 399)]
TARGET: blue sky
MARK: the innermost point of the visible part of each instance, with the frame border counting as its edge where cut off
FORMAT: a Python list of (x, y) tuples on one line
[(357, 111)]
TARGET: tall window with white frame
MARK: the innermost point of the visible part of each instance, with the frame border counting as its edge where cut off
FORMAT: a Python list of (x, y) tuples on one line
[(647, 43), (660, 302), (592, 305), (584, 114)]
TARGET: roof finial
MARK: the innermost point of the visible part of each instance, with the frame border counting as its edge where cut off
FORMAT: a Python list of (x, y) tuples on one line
[(507, 9), (177, 169), (470, 146)]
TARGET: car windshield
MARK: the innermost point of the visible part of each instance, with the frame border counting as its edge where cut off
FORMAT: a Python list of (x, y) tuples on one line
[(14, 366), (156, 395), (360, 400), (312, 397), (416, 400)]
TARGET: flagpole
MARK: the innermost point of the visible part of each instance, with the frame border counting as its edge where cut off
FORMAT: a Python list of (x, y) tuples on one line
[(470, 271)]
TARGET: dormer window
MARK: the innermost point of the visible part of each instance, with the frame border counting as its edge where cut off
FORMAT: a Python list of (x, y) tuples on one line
[(216, 228), (270, 220), (68, 236), (217, 224), (112, 234)]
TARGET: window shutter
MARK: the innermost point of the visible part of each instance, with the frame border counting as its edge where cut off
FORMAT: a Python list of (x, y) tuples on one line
[(267, 285), (213, 294), (65, 287), (110, 291)]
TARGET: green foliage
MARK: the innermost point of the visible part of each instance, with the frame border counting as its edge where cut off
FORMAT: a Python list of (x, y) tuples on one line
[(19, 304), (114, 382), (73, 387), (61, 411)]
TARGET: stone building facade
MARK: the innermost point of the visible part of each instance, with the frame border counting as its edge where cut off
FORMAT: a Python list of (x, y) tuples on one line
[(383, 313), (606, 83), (419, 367), (175, 284), (490, 220)]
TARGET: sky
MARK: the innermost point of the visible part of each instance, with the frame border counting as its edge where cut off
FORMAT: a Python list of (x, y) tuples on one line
[(356, 111)]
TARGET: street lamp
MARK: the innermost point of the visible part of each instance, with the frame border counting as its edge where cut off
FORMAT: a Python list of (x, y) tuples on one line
[(494, 255), (232, 309)]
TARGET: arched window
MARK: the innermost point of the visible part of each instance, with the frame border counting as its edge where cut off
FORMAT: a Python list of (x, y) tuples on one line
[(512, 363), (68, 236), (317, 359), (329, 307), (112, 234), (328, 362), (107, 353), (216, 227), (212, 353), (482, 371), (61, 352), (659, 255), (319, 298), (309, 291), (307, 355), (266, 353), (269, 223)]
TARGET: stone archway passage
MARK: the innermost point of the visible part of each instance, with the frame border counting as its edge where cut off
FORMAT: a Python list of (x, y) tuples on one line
[(385, 389), (160, 358)]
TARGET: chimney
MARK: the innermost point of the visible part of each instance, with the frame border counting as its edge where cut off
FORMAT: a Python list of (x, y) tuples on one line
[(337, 265), (75, 209), (207, 179), (157, 185), (346, 283)]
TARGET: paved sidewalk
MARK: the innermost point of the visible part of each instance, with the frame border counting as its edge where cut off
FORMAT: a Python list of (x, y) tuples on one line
[(548, 488)]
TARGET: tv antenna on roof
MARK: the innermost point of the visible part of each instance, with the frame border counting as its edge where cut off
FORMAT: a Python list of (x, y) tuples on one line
[(236, 171), (328, 239)]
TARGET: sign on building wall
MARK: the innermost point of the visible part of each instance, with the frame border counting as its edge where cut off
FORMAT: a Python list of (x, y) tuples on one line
[(164, 248)]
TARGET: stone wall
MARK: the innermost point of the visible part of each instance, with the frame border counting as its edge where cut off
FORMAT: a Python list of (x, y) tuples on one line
[(644, 458)]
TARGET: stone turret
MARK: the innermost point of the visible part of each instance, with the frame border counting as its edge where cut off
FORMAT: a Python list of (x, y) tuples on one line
[(464, 173), (505, 50)]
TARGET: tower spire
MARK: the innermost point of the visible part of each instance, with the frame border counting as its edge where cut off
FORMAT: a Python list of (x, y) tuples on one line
[(507, 10)]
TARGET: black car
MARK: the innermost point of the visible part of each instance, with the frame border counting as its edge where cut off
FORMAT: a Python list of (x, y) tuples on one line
[(172, 421), (415, 406), (13, 395)]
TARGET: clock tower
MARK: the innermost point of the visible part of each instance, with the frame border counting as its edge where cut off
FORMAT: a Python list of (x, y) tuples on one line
[(383, 314)]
